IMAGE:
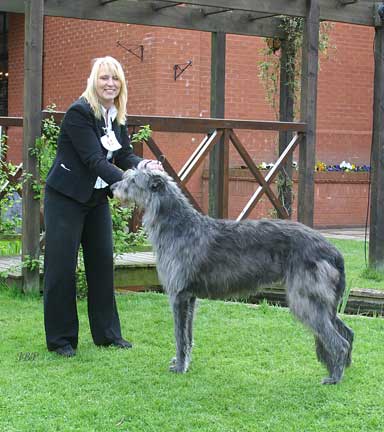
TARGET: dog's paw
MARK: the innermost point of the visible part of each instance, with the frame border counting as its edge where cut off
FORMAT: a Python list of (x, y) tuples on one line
[(175, 368), (329, 381), (172, 362)]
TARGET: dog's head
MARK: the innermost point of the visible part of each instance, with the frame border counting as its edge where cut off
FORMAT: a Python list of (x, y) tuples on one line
[(140, 186)]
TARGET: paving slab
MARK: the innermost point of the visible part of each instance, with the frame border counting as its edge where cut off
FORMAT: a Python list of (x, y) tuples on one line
[(346, 233)]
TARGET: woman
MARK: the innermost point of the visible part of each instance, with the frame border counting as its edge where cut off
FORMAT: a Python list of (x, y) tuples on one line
[(93, 150)]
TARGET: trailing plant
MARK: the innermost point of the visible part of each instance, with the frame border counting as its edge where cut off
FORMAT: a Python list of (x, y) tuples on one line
[(285, 191), (269, 67), (31, 263), (45, 150), (269, 73)]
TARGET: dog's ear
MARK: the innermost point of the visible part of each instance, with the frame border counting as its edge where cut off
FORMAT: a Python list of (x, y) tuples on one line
[(157, 184)]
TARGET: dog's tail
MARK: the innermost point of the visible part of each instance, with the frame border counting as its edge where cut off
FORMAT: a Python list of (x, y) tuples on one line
[(340, 286), (345, 331)]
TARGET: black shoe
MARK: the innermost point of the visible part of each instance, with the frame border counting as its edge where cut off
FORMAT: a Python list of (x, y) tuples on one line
[(121, 343), (65, 351)]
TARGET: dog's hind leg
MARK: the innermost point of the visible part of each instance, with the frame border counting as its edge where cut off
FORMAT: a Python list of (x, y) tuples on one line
[(312, 299), (337, 348), (331, 347), (347, 334), (322, 354), (181, 312)]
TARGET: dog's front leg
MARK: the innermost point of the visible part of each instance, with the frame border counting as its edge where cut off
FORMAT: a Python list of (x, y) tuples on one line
[(191, 313), (180, 308)]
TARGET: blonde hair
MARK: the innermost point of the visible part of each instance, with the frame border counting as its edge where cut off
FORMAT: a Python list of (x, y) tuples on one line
[(90, 93)]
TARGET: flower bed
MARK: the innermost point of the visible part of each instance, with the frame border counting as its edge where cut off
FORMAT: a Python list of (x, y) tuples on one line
[(342, 167)]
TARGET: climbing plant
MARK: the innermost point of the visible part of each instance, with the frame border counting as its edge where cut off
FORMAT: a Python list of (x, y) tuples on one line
[(269, 74), (269, 66)]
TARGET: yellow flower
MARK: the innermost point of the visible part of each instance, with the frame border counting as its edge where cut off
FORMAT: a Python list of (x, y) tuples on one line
[(320, 166)]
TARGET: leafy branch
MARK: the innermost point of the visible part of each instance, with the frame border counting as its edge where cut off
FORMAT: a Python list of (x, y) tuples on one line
[(269, 66)]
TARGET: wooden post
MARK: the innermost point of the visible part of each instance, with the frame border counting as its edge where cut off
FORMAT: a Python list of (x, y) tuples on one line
[(376, 234), (287, 78), (33, 53), (136, 217), (310, 58), (218, 160)]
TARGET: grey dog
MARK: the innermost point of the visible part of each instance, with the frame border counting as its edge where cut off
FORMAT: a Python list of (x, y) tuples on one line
[(198, 256)]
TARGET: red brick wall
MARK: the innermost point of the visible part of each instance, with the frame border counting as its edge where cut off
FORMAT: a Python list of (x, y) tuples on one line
[(344, 94), (340, 198), (15, 82)]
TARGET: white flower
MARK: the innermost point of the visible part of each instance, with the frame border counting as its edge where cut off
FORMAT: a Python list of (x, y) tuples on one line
[(345, 165)]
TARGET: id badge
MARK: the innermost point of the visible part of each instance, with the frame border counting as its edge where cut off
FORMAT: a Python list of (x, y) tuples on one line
[(110, 142)]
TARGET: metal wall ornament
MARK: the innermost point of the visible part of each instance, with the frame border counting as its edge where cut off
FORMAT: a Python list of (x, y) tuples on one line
[(137, 50), (178, 69)]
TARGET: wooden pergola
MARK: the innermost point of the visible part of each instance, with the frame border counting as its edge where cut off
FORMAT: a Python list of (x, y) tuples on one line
[(246, 17)]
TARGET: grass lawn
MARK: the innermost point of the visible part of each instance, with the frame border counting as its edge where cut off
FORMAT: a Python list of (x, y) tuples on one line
[(354, 256), (10, 247), (254, 369)]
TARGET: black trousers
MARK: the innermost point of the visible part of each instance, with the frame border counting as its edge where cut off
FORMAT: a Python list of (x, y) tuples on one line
[(68, 224)]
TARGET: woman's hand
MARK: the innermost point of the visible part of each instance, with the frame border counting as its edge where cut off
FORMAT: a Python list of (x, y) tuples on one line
[(150, 164)]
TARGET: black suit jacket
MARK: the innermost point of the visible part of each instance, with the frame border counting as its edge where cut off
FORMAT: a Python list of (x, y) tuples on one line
[(81, 158)]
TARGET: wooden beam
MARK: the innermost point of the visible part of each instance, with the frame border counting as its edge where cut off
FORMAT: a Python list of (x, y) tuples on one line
[(281, 211), (360, 12), (156, 6), (169, 169), (286, 113), (197, 124), (218, 159), (272, 173), (12, 179), (376, 233), (182, 124), (198, 156), (309, 72), (136, 216), (13, 6), (142, 13), (11, 121), (224, 176), (33, 57)]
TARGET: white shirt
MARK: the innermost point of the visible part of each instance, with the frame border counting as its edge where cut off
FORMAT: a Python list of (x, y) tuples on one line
[(109, 116)]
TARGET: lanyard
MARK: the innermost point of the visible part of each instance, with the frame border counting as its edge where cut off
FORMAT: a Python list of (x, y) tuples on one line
[(107, 127)]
